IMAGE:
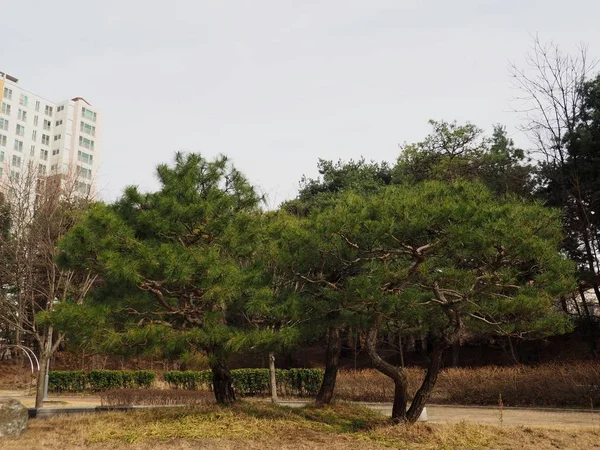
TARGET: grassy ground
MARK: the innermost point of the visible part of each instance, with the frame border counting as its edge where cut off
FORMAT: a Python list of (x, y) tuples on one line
[(261, 426)]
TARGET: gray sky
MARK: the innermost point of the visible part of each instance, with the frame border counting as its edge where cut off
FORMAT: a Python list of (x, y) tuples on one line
[(276, 84)]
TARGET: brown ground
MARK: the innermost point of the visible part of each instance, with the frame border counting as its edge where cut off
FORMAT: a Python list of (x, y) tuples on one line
[(436, 413), (267, 427)]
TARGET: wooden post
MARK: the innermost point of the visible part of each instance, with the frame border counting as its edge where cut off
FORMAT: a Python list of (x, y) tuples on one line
[(272, 378)]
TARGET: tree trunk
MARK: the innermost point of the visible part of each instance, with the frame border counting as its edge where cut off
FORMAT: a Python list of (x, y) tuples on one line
[(589, 325), (424, 392), (332, 359), (456, 354), (222, 383), (272, 378), (41, 378), (400, 349), (397, 374), (513, 354), (45, 354)]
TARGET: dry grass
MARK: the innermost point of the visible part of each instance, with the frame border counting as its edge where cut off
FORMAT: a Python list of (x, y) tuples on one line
[(164, 397), (255, 425), (555, 385)]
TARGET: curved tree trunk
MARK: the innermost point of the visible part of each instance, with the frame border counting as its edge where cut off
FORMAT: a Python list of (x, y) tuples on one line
[(332, 360), (424, 392), (397, 374), (222, 383)]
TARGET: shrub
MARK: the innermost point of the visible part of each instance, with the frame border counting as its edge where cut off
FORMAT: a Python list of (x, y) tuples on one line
[(298, 382), (251, 381), (189, 379), (67, 381), (99, 380), (143, 378)]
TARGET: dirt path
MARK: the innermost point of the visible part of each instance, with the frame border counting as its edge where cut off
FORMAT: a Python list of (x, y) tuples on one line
[(491, 416)]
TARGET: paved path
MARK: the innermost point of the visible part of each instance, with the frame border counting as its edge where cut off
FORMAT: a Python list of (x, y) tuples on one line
[(436, 413)]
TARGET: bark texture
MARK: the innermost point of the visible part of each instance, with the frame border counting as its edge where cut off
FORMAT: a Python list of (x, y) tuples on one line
[(332, 356)]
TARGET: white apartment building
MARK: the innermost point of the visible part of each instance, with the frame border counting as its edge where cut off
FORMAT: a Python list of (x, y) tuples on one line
[(57, 139)]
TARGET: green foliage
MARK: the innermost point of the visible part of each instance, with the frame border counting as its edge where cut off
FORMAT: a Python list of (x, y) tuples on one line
[(99, 380), (454, 151), (300, 382), (67, 381), (335, 178), (176, 264), (439, 257), (189, 379), (571, 181)]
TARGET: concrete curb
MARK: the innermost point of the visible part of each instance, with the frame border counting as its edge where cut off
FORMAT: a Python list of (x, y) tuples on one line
[(43, 413)]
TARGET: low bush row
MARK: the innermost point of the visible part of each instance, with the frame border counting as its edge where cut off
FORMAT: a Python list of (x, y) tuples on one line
[(99, 380), (295, 382), (247, 382), (557, 385)]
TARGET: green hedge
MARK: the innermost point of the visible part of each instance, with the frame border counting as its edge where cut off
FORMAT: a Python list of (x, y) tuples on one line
[(99, 380), (188, 379), (67, 381), (299, 382)]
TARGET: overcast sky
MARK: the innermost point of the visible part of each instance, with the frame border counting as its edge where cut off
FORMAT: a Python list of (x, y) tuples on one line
[(277, 84)]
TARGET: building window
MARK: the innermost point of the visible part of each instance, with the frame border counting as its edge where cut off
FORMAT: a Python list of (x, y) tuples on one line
[(87, 128), (37, 105), (6, 108), (47, 125), (22, 115), (53, 168), (16, 161), (18, 146), (2, 140), (45, 139), (23, 100), (44, 154), (42, 169), (3, 124), (60, 108), (34, 135), (84, 173), (88, 114), (32, 151), (1, 157), (14, 175), (82, 187), (20, 130), (35, 121), (7, 93), (55, 152), (86, 143), (58, 122), (48, 110), (84, 157), (57, 137)]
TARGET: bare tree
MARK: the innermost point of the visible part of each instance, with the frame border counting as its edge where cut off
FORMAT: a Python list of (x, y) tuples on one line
[(41, 209), (551, 95), (552, 99)]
